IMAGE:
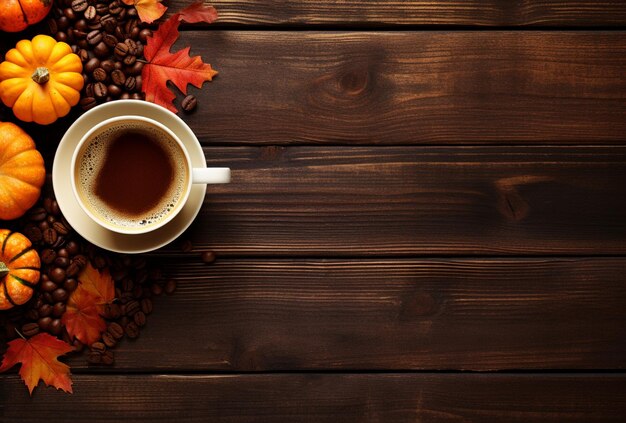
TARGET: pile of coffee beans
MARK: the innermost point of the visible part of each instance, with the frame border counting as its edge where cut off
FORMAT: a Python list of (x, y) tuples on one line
[(109, 39), (63, 255)]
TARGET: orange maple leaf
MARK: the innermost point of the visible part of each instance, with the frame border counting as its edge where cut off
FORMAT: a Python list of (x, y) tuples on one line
[(100, 284), (82, 319), (178, 68), (38, 356), (148, 10)]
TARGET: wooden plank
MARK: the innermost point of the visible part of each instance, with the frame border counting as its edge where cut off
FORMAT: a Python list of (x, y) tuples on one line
[(491, 314), (418, 12), (357, 201), (412, 87), (322, 398)]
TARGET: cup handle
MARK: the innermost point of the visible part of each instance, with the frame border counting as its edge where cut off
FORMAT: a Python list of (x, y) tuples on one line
[(210, 175)]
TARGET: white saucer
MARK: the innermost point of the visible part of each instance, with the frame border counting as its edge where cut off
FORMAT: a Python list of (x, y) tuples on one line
[(121, 243)]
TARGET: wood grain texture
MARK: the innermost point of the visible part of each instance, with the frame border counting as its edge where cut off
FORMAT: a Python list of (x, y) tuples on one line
[(417, 12), (489, 314), (411, 87), (322, 398), (360, 201)]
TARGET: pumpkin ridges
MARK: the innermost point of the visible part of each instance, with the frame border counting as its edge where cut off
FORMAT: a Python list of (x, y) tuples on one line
[(20, 254), (23, 281), (6, 293), (6, 239)]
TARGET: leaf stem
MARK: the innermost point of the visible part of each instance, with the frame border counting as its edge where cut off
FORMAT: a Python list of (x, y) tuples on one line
[(20, 334)]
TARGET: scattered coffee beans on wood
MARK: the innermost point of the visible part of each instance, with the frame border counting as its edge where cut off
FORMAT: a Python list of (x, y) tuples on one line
[(63, 255), (107, 36)]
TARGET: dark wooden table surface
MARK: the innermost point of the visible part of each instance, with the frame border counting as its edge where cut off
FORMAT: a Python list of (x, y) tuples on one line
[(426, 223)]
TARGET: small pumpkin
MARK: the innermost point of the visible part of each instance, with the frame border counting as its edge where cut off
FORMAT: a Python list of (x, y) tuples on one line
[(18, 14), (22, 171), (19, 269), (41, 79)]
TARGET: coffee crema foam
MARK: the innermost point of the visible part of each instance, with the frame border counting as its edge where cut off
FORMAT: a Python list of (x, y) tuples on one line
[(93, 157)]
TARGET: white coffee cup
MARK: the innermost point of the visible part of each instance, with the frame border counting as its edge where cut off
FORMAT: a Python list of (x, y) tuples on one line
[(98, 138)]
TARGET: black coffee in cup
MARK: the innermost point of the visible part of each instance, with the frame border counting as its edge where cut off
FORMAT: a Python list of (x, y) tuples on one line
[(131, 174)]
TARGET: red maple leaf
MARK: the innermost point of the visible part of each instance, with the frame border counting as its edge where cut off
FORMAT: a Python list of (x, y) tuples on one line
[(38, 356), (178, 68), (81, 318)]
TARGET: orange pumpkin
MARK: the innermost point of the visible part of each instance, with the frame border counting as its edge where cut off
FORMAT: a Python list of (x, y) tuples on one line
[(41, 79), (19, 269), (16, 15), (22, 172)]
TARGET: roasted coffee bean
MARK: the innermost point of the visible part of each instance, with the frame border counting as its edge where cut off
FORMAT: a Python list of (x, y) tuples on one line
[(73, 269), (94, 37), (89, 89), (98, 347), (95, 24), (70, 284), (47, 297), (129, 60), (33, 233), (90, 13), (79, 35), (118, 77), (188, 104), (37, 214), (115, 7), (108, 357), (99, 74), (57, 275), (132, 307), (62, 262), (58, 309), (102, 8), (134, 69), (30, 329), (116, 330), (62, 252), (56, 326), (110, 40), (91, 65), (48, 255), (132, 45), (112, 311), (100, 90), (130, 83), (156, 289), (87, 103), (134, 33), (108, 65), (125, 96), (132, 330), (60, 228), (50, 236), (121, 50), (170, 287), (81, 25), (59, 294), (62, 24), (101, 50), (139, 318), (108, 339), (79, 5), (119, 33), (146, 306), (118, 65), (144, 34), (123, 321), (83, 55), (43, 225), (44, 323), (69, 13), (60, 36), (94, 357), (48, 286), (114, 90), (50, 219), (72, 248), (81, 260), (45, 310), (52, 26), (141, 276)]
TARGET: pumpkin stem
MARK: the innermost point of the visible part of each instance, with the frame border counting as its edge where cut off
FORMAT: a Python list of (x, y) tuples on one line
[(41, 75), (4, 270)]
